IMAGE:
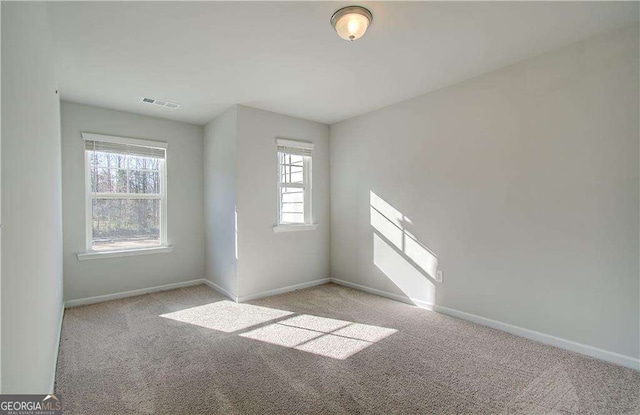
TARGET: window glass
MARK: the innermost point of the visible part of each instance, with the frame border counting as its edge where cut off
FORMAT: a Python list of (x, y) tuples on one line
[(294, 185), (126, 201)]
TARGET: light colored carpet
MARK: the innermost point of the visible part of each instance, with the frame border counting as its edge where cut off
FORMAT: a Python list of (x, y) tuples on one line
[(322, 350)]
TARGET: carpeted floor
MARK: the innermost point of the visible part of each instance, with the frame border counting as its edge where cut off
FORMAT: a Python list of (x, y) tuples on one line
[(322, 350)]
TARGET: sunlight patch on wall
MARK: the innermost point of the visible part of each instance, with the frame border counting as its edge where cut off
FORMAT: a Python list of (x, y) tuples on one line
[(404, 275), (392, 214), (387, 228), (420, 255), (235, 234), (391, 224)]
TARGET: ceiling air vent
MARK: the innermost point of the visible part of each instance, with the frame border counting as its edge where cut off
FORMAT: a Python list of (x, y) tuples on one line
[(160, 103)]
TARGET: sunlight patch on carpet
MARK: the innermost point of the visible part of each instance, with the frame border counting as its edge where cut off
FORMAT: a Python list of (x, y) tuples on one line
[(337, 339), (226, 316)]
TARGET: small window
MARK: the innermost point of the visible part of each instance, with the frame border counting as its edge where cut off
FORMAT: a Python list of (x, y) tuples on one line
[(294, 182), (126, 196)]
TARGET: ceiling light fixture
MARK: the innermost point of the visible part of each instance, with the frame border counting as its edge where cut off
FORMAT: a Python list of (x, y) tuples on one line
[(351, 22)]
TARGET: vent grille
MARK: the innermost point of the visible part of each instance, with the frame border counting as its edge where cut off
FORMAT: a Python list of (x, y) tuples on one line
[(160, 103)]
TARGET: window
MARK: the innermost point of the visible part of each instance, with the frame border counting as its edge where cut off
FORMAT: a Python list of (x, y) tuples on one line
[(126, 193), (294, 182)]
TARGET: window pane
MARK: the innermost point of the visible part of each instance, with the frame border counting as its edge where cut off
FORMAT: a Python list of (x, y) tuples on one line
[(137, 175), (286, 158), (125, 223), (143, 163), (294, 159), (144, 182), (109, 180), (296, 175), (107, 160), (291, 205), (292, 218), (291, 174)]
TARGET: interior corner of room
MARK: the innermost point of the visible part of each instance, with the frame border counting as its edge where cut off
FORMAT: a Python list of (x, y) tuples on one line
[(305, 182)]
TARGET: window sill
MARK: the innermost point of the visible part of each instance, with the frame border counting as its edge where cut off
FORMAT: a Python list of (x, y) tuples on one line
[(84, 256), (293, 228)]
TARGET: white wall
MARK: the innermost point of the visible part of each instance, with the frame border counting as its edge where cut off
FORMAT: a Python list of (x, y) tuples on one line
[(31, 206), (524, 184), (220, 141), (185, 164), (268, 260), (0, 202)]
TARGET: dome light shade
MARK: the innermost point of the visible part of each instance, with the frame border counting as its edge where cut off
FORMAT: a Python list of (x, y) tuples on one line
[(351, 22)]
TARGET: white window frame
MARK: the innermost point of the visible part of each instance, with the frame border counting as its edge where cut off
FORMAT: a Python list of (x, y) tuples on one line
[(307, 185), (90, 196)]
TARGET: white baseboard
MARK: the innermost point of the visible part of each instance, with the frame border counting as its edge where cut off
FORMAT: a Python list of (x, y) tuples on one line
[(132, 293), (570, 345), (57, 350), (403, 299), (283, 290), (612, 357), (221, 290)]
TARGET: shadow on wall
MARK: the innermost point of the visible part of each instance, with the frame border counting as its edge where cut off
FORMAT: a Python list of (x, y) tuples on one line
[(409, 264)]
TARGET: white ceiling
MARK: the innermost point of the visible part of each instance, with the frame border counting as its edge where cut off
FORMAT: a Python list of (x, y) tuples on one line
[(285, 56)]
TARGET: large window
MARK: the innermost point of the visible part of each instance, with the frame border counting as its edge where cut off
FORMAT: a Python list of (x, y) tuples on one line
[(126, 197), (294, 182)]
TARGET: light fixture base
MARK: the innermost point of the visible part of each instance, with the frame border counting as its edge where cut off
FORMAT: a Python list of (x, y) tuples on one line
[(350, 10)]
